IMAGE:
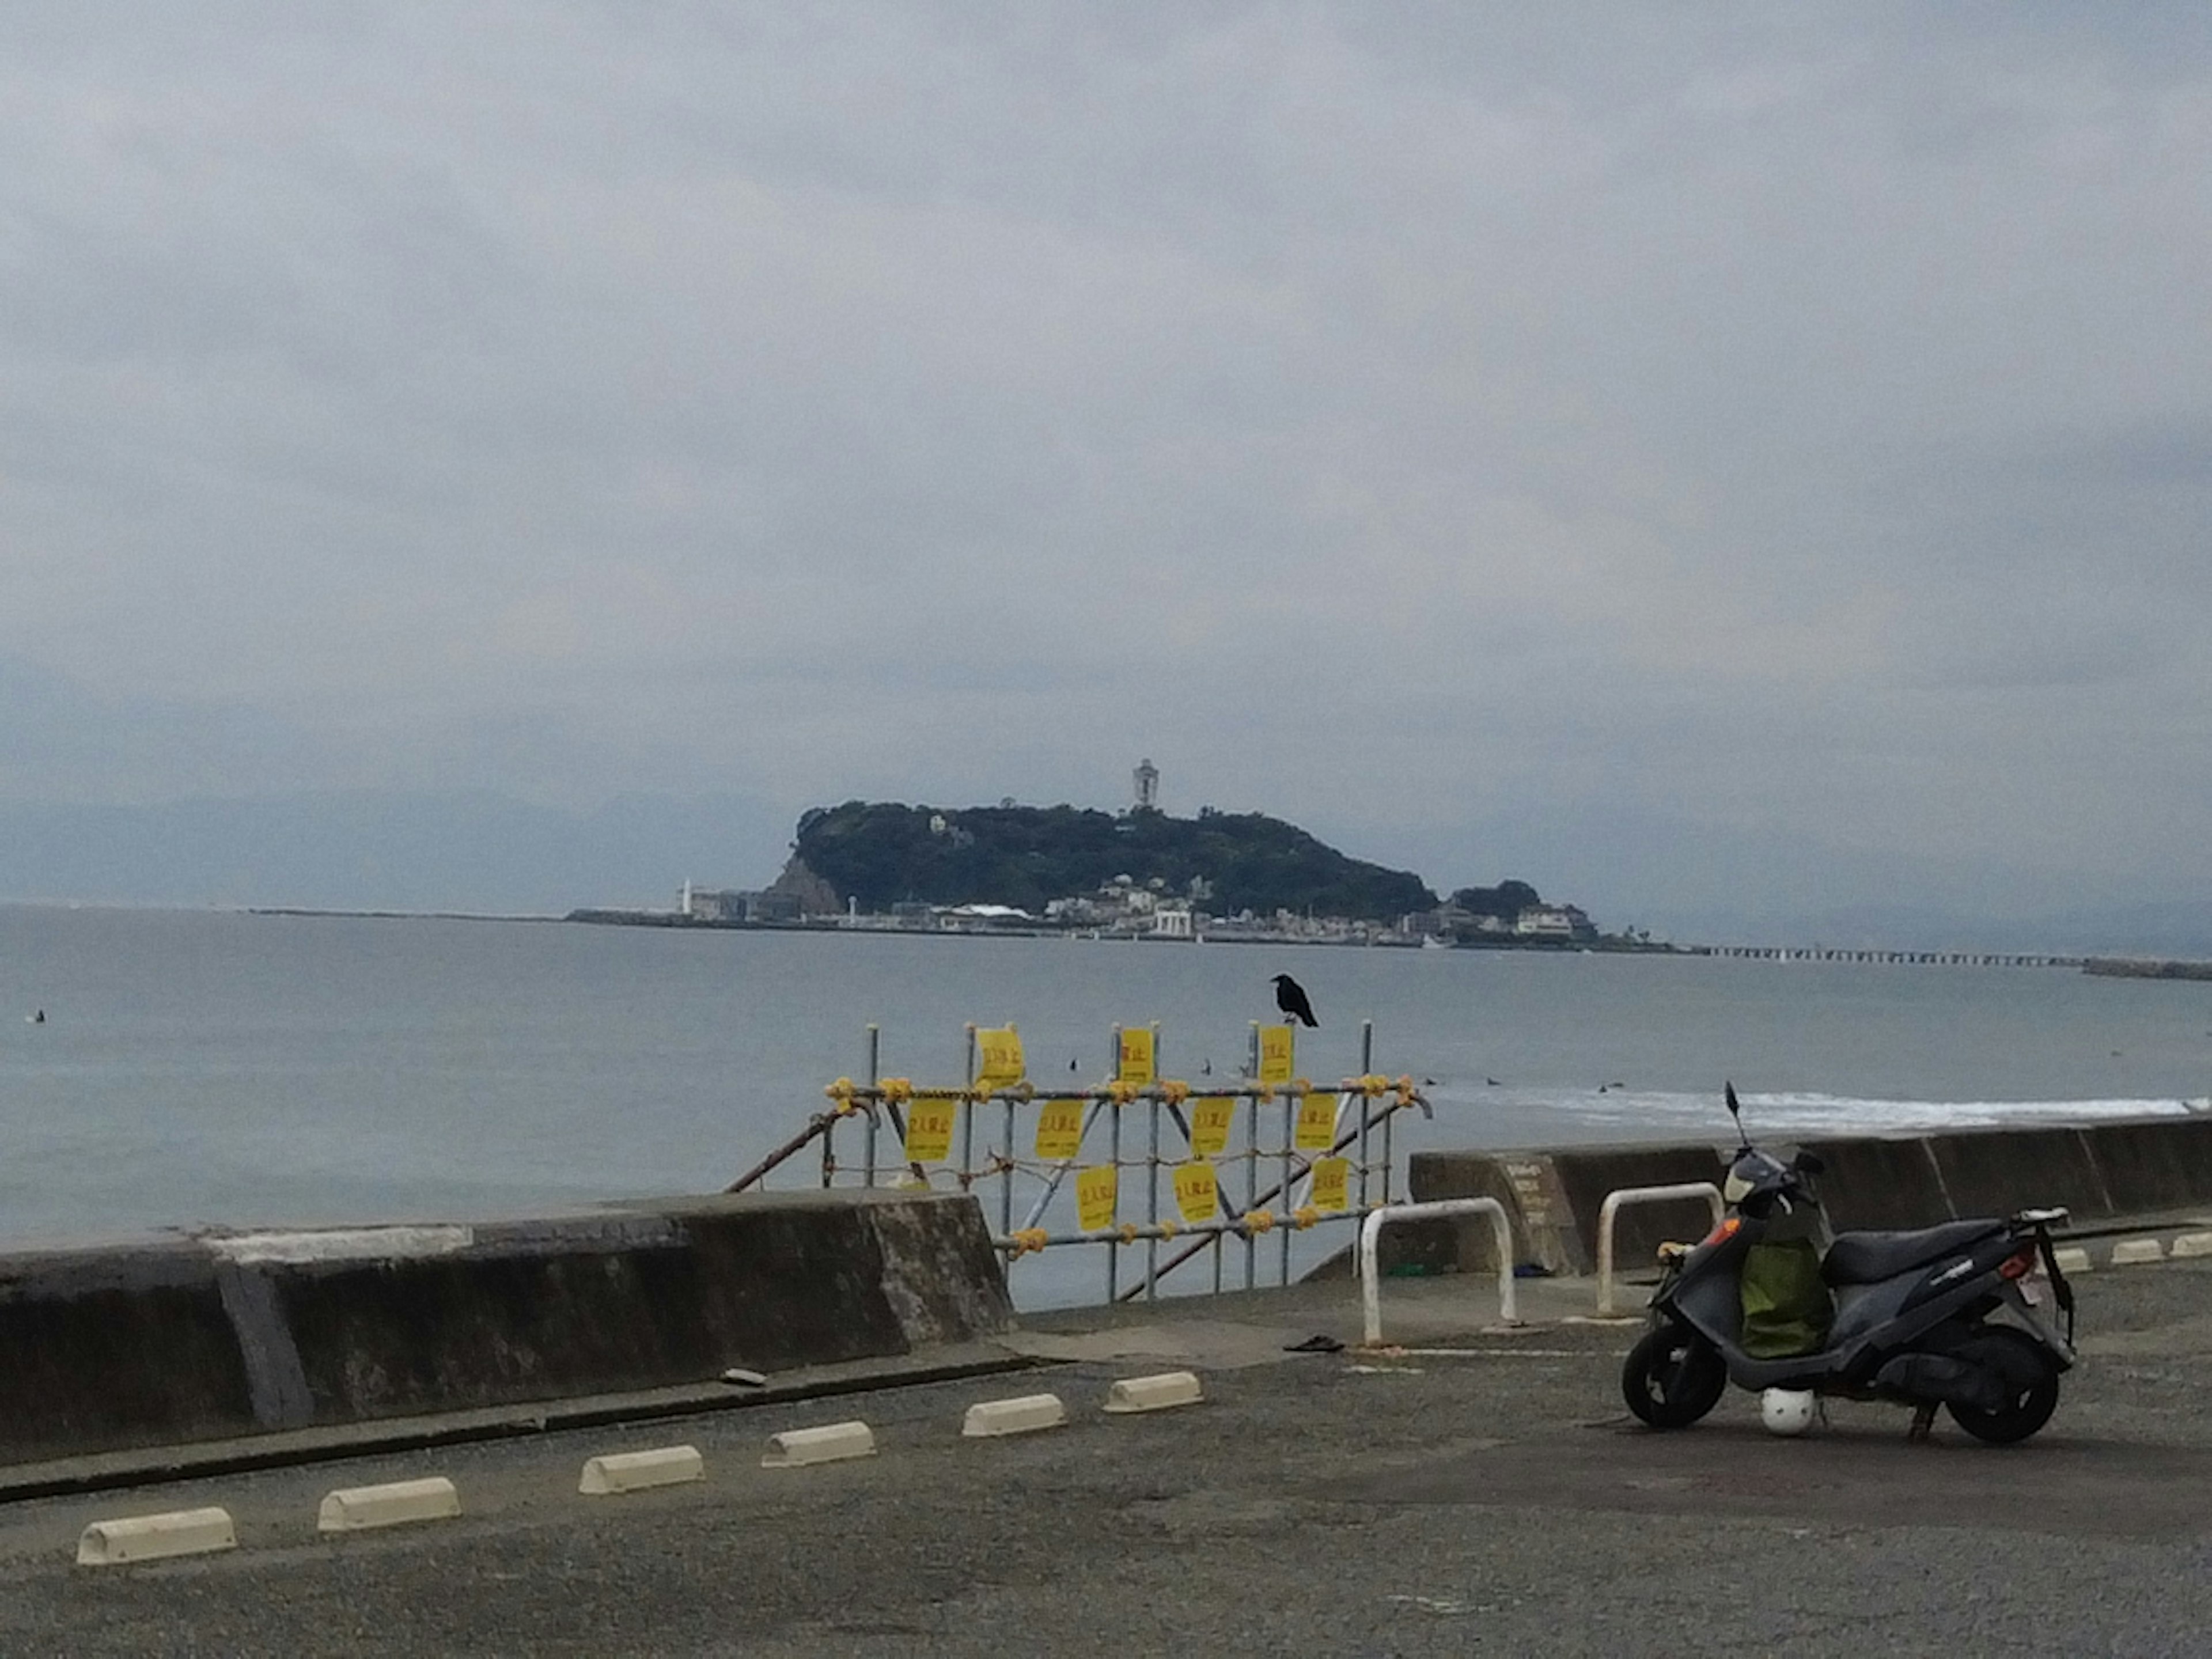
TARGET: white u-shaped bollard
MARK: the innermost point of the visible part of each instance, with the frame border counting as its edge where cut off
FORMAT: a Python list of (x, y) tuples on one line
[(1614, 1202), (1370, 1277)]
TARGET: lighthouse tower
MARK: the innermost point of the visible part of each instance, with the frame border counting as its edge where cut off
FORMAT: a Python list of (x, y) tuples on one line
[(1148, 786)]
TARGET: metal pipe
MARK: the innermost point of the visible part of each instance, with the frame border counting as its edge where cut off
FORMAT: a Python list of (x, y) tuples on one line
[(1191, 1141), (967, 1120), (1152, 1206), (1006, 1175), (868, 1136), (1113, 1248), (797, 1143), (1212, 1091), (1200, 1230), (1251, 1157), (1203, 1231), (1389, 1120), (1366, 1102), (1059, 1170)]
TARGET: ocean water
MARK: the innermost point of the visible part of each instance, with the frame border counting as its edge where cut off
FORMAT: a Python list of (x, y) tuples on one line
[(205, 1069)]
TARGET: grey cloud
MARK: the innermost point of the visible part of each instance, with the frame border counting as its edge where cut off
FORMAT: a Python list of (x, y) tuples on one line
[(1630, 407)]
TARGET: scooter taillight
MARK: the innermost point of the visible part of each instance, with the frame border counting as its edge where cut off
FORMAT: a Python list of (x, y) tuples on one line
[(1726, 1230), (2019, 1264)]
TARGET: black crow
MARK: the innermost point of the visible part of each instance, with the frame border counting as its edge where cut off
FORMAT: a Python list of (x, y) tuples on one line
[(1291, 998)]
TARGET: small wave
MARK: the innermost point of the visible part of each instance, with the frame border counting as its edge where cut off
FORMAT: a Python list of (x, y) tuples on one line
[(1699, 1115), (1845, 1112)]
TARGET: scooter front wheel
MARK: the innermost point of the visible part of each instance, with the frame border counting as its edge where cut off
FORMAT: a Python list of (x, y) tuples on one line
[(1673, 1377)]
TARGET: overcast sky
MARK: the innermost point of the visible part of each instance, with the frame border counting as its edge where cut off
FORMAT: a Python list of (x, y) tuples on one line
[(1607, 426)]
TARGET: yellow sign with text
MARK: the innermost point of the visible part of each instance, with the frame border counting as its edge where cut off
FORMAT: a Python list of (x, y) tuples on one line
[(1060, 1130), (929, 1120), (1332, 1182), (1278, 1055), (1094, 1193), (1197, 1197), (1136, 1061), (1210, 1119), (998, 1057), (1316, 1130)]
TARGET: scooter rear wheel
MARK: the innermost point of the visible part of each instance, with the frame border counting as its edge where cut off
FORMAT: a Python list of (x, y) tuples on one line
[(1673, 1377), (2030, 1407)]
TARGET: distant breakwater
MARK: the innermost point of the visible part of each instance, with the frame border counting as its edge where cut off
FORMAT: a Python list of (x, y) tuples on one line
[(2106, 967), (1940, 959), (2140, 968)]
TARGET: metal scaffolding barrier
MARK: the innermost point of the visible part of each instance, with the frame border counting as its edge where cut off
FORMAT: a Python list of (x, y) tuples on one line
[(1154, 1172)]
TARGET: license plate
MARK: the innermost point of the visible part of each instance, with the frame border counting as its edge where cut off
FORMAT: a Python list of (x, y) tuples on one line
[(2030, 1293)]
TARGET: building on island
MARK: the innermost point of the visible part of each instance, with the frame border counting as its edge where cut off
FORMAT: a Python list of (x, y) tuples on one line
[(1174, 920), (1558, 921)]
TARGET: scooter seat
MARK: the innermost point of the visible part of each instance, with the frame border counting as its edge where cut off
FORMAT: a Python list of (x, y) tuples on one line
[(1870, 1258)]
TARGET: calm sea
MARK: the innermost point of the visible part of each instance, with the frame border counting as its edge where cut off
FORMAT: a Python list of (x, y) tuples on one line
[(206, 1068)]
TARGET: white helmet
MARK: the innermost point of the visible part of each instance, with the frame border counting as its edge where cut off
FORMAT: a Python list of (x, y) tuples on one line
[(1786, 1411)]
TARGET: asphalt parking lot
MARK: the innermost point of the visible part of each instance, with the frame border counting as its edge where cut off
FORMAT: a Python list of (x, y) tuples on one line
[(1491, 1500)]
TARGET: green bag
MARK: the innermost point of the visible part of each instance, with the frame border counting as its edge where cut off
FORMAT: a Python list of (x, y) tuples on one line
[(1786, 1307)]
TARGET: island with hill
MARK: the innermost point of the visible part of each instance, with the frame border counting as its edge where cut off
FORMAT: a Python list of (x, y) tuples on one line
[(1142, 873)]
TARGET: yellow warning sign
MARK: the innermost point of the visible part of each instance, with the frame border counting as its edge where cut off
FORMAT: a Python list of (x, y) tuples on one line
[(1316, 1130), (999, 1058), (1060, 1130), (1196, 1196), (1136, 1062), (1095, 1192), (929, 1127), (1210, 1119), (1278, 1058), (1332, 1180)]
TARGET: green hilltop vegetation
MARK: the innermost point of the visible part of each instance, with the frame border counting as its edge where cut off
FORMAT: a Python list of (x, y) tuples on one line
[(881, 853)]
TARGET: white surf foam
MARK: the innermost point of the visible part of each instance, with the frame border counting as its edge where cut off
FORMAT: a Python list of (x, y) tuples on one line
[(1649, 1114)]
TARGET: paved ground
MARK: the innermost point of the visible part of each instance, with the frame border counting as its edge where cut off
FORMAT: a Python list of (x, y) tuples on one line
[(1495, 1501)]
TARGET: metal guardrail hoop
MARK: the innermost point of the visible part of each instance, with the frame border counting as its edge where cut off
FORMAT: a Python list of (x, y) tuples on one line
[(1617, 1201), (1370, 1231)]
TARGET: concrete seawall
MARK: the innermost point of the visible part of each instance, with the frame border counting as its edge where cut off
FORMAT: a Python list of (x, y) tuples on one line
[(2104, 1173), (207, 1338)]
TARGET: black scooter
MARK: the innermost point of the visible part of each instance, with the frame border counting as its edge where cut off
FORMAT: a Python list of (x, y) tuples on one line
[(1942, 1316)]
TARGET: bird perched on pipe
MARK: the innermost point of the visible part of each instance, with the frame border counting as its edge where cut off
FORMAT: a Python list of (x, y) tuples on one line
[(1291, 998)]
